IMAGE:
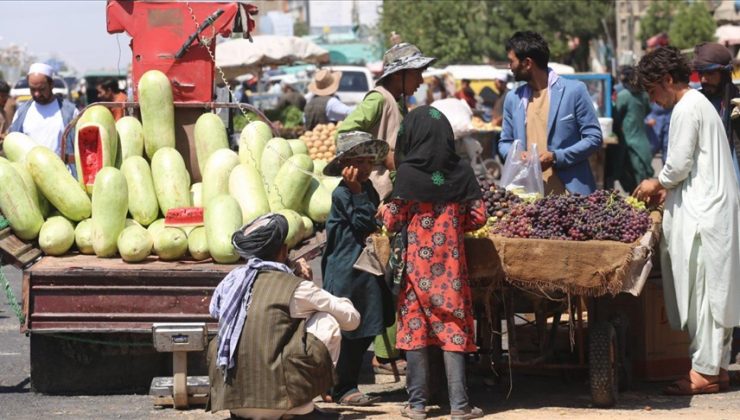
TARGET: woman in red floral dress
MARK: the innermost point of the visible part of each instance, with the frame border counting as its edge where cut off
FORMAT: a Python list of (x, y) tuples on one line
[(437, 197)]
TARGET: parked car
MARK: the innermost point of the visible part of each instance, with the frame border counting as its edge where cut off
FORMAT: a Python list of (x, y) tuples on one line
[(22, 93), (356, 81)]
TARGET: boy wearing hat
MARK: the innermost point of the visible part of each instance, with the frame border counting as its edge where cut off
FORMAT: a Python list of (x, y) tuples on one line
[(351, 220), (325, 107)]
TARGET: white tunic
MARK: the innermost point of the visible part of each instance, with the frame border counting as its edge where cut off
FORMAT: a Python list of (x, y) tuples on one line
[(702, 200)]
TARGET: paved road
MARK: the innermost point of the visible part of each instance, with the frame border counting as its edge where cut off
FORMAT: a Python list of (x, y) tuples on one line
[(531, 397)]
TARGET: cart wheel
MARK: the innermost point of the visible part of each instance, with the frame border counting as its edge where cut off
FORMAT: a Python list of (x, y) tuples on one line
[(493, 169), (603, 364)]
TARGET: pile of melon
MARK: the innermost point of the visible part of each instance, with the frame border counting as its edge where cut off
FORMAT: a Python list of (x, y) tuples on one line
[(320, 141), (129, 174)]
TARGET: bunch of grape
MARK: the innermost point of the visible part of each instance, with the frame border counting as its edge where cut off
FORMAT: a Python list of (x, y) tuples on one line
[(603, 215), (498, 201)]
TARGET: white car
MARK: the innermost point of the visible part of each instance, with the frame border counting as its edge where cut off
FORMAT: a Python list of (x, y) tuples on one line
[(22, 93), (355, 83)]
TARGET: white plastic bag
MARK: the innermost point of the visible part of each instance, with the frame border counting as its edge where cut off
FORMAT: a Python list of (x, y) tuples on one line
[(523, 176), (458, 113)]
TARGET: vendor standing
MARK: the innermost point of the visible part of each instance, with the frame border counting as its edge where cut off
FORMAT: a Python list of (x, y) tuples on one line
[(554, 113), (380, 114), (700, 253)]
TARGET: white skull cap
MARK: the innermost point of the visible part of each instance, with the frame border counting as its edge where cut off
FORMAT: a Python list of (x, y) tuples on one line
[(41, 68)]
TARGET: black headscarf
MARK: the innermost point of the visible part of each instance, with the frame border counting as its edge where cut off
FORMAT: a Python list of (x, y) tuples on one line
[(262, 238), (427, 168)]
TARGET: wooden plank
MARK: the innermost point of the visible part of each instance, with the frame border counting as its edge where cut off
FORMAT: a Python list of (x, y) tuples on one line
[(88, 263)]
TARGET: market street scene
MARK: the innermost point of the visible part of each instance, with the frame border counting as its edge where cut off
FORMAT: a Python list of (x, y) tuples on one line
[(383, 209)]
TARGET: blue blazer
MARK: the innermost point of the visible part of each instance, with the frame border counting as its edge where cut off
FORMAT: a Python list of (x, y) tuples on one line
[(573, 131)]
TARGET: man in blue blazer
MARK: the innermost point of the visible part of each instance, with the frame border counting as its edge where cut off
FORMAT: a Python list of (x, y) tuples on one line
[(555, 113)]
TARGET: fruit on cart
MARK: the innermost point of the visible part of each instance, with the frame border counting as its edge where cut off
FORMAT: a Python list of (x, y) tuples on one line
[(155, 227), (92, 153), (291, 183), (317, 202), (100, 114), (157, 111), (276, 152), (142, 200), (245, 185), (56, 183), (171, 179), (320, 141), (216, 174), (296, 228), (184, 217), (41, 202), (196, 194), (308, 229), (602, 215), (130, 136), (223, 217), (57, 236), (109, 209), (252, 141), (170, 244), (83, 237), (210, 135), (198, 244), (498, 200), (17, 145), (17, 204), (135, 243), (298, 146)]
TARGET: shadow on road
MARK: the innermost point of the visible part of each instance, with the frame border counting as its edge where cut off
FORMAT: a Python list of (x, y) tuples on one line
[(21, 387)]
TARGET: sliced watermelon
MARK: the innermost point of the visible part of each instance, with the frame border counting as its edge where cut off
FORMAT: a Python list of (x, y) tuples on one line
[(184, 217), (90, 144)]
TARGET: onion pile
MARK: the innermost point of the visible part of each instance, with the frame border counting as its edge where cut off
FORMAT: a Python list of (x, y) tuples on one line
[(320, 141)]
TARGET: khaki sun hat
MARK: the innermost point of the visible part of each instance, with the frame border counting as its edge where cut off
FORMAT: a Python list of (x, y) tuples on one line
[(355, 144), (325, 82)]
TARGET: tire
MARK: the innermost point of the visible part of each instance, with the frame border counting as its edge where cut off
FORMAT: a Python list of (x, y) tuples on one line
[(603, 364)]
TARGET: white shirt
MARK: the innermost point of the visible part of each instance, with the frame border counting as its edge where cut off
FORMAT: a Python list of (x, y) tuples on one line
[(44, 124), (703, 200), (336, 110)]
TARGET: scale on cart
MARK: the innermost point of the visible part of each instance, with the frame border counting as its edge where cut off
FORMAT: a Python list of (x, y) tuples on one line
[(180, 390)]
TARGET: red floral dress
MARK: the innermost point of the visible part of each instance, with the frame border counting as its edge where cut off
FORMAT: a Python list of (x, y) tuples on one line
[(435, 304)]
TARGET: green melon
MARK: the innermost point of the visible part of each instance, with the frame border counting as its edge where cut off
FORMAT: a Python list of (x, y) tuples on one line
[(252, 141), (56, 236), (131, 137), (157, 111), (171, 179), (142, 200), (210, 135), (17, 204), (222, 218), (135, 243)]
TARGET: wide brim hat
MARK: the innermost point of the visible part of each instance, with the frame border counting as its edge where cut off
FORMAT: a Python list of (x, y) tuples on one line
[(356, 144), (325, 82), (404, 56)]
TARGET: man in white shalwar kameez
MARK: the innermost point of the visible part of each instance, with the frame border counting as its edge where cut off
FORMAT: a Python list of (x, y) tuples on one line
[(700, 251)]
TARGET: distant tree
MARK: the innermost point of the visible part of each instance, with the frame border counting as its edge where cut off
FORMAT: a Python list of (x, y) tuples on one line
[(657, 18), (692, 24)]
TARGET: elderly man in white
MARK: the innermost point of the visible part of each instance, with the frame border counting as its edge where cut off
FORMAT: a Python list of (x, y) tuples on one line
[(700, 251)]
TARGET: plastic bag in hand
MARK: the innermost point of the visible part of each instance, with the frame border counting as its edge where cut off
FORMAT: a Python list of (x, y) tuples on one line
[(523, 176)]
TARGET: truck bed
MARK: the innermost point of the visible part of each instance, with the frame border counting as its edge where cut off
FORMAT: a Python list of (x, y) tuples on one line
[(84, 293)]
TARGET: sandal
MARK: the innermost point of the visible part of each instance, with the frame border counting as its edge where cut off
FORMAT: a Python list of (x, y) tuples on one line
[(357, 399), (468, 413), (686, 386), (413, 413)]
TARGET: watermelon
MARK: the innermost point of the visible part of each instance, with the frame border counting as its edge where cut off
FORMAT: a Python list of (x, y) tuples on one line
[(276, 152), (210, 135), (196, 194), (109, 209), (318, 167), (317, 201), (157, 111), (100, 114), (41, 202), (131, 222), (92, 153), (223, 217), (130, 137), (184, 217), (296, 228), (57, 184), (83, 237), (216, 174), (56, 236), (198, 244), (134, 243), (170, 244), (155, 227), (17, 145), (291, 183), (171, 179), (142, 200), (252, 141), (298, 146), (245, 185), (18, 205)]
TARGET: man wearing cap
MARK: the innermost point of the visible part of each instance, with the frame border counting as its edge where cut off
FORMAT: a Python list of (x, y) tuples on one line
[(325, 107), (713, 62), (278, 336), (381, 111), (45, 117), (554, 113)]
